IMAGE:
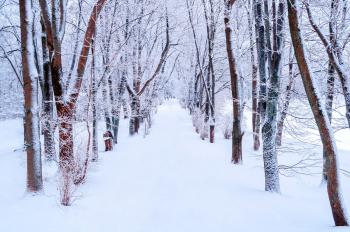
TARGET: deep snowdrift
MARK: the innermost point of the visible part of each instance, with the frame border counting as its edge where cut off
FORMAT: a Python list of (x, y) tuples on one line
[(169, 181)]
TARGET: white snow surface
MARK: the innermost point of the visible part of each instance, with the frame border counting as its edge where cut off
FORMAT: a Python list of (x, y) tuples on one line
[(169, 181)]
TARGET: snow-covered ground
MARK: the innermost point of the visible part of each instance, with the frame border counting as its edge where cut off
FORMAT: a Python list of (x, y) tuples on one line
[(169, 181)]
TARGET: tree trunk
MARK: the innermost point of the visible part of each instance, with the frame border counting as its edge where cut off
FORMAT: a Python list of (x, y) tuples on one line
[(289, 91), (330, 80), (329, 108), (94, 105), (31, 114), (125, 109), (321, 117), (132, 122), (114, 120), (48, 103), (105, 106), (66, 150), (269, 129), (210, 105), (255, 127), (236, 103), (119, 102), (261, 48), (267, 24)]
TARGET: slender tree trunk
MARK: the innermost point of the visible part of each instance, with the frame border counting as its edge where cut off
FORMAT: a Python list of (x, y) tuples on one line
[(125, 108), (321, 117), (255, 127), (236, 102), (288, 92), (269, 48), (202, 83), (119, 102), (94, 105), (132, 122), (31, 114), (329, 108), (133, 127), (48, 103), (330, 78), (105, 106), (139, 68), (330, 90), (94, 129), (261, 48), (114, 119), (210, 110)]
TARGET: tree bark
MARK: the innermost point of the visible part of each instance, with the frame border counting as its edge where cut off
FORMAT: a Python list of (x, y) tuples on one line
[(329, 108), (94, 157), (330, 80), (105, 106), (48, 102), (30, 90), (289, 91), (210, 105), (255, 127), (236, 102), (269, 129), (261, 53), (268, 45)]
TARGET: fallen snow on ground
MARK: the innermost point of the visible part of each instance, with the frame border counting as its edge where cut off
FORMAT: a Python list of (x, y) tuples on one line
[(169, 181)]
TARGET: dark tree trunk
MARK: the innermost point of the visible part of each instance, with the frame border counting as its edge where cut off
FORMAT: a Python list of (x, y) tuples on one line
[(125, 109), (48, 103), (236, 127), (261, 48), (266, 17)]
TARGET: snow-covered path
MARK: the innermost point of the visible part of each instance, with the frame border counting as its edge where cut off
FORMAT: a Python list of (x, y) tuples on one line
[(169, 181)]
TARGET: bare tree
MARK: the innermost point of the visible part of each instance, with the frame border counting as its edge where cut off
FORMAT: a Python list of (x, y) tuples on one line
[(320, 116), (66, 102)]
